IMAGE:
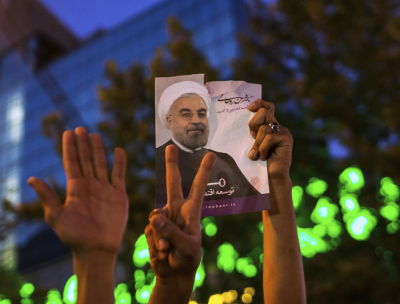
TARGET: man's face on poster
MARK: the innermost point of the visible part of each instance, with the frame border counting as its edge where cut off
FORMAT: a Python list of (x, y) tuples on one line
[(188, 122)]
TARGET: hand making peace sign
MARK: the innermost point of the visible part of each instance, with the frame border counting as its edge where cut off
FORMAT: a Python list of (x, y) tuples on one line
[(174, 232)]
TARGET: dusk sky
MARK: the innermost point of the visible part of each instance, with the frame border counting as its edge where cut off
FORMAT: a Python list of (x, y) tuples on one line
[(83, 17)]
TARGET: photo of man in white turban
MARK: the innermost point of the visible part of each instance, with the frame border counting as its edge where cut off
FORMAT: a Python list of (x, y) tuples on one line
[(184, 109)]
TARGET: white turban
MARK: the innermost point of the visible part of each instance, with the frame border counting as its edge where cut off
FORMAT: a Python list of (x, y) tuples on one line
[(173, 92)]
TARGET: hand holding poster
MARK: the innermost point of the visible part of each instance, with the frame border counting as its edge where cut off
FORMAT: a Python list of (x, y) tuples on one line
[(199, 119)]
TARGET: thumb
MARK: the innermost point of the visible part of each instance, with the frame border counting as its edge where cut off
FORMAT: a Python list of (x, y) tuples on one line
[(184, 243), (49, 200)]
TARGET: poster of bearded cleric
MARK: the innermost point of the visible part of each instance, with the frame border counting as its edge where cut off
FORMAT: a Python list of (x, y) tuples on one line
[(200, 118)]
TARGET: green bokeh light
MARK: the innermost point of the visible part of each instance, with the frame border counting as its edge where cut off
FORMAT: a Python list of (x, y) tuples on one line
[(261, 227), (210, 229), (316, 187), (336, 241), (227, 257), (324, 211), (141, 254), (200, 276), (388, 255), (71, 290), (352, 179), (206, 220), (390, 212), (334, 229), (120, 289), (319, 230), (297, 195), (142, 294), (310, 243), (250, 271), (388, 189), (26, 290), (393, 227), (349, 203), (5, 301), (150, 276), (140, 278), (53, 297), (246, 267), (360, 225), (123, 298)]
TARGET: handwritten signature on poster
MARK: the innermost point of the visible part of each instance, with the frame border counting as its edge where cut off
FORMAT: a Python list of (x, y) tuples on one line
[(235, 100)]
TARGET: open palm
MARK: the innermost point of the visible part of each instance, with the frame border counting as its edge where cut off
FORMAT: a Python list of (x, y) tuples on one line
[(95, 212)]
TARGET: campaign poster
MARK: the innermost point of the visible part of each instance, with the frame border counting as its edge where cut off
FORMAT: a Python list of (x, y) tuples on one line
[(200, 118)]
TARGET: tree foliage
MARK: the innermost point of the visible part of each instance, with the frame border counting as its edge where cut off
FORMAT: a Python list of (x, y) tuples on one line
[(332, 70)]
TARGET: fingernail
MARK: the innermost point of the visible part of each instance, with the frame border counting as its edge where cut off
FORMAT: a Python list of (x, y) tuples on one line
[(162, 244), (158, 222), (253, 134), (252, 153), (252, 106)]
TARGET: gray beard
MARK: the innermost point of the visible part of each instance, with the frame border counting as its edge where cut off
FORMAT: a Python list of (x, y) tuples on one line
[(192, 142)]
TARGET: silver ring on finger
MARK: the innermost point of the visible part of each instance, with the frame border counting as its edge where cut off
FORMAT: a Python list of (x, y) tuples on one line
[(274, 127)]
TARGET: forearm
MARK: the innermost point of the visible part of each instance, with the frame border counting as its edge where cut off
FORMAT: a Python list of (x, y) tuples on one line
[(95, 274), (172, 290), (283, 267)]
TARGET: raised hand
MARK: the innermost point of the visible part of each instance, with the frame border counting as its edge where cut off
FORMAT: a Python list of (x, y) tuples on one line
[(95, 212), (174, 232), (283, 269), (276, 148)]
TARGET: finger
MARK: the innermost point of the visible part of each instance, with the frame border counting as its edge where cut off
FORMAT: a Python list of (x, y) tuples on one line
[(150, 241), (263, 131), (84, 152), (259, 103), (119, 169), (99, 157), (174, 187), (182, 242), (157, 250), (70, 156), (200, 183), (262, 117), (49, 200), (272, 140), (162, 211)]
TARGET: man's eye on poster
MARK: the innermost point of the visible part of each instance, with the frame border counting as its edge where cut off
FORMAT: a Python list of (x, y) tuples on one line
[(199, 119)]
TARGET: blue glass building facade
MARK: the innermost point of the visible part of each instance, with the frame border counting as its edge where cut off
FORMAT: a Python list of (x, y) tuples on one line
[(25, 97)]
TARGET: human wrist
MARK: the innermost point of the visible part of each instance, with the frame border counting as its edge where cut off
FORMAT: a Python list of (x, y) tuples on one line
[(182, 279), (280, 189), (279, 178), (174, 289), (95, 275), (93, 261)]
